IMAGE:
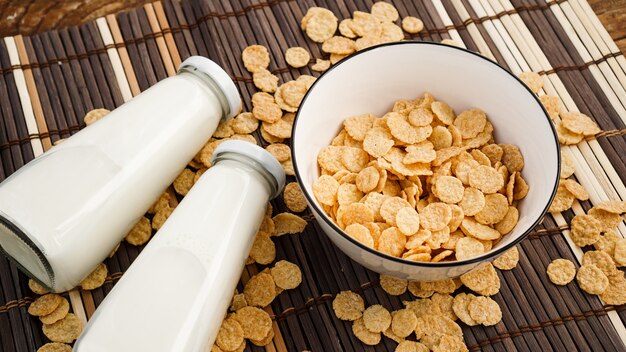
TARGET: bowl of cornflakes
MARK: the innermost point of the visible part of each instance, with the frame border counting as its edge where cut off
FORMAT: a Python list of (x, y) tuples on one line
[(421, 160)]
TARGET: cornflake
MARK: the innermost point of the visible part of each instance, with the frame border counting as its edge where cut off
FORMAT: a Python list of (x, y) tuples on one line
[(460, 306), (286, 275), (579, 123), (508, 260), (36, 287), (591, 279), (403, 322), (585, 230), (362, 333), (260, 290), (297, 57), (230, 335), (140, 233), (45, 304), (321, 25), (532, 80), (294, 198), (412, 24), (96, 278), (485, 311), (376, 318), (483, 280), (348, 306), (255, 57), (55, 347), (263, 249), (287, 223), (265, 81), (392, 285), (255, 322), (65, 330)]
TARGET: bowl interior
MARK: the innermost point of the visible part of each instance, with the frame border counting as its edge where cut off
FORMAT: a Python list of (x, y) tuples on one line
[(370, 81)]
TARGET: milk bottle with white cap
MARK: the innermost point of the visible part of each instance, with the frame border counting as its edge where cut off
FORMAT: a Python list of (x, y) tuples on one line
[(175, 294), (62, 213)]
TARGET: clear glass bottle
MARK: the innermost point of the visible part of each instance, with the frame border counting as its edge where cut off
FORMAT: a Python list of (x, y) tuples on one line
[(174, 295), (62, 213)]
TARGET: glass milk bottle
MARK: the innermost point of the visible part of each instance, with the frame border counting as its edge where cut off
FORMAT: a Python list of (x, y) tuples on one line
[(175, 294), (62, 213)]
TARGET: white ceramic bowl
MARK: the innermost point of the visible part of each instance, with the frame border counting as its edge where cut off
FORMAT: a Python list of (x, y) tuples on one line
[(371, 80)]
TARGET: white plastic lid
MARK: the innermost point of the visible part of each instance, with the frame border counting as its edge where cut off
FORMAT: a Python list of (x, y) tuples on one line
[(258, 154), (221, 78)]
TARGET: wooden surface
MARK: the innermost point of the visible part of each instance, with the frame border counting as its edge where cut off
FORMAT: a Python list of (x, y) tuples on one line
[(32, 16)]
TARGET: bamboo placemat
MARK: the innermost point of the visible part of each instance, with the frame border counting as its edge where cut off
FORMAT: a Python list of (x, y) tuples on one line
[(50, 80)]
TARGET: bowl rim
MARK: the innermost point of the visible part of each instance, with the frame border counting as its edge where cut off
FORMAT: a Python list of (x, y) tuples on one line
[(456, 263)]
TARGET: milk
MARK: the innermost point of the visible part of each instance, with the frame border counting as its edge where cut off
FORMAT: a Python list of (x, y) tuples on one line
[(62, 213), (175, 294)]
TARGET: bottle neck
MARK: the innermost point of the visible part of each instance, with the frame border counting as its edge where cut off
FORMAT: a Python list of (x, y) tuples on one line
[(254, 166), (209, 83)]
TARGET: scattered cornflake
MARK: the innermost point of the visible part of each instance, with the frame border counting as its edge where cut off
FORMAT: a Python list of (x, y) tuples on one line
[(255, 57), (508, 260), (238, 302), (563, 200), (552, 104), (561, 271), (55, 347), (96, 278), (36, 287), (619, 253), (265, 81), (320, 25), (95, 115), (287, 223), (602, 260), (297, 57), (65, 330), (230, 335), (294, 198), (460, 306), (533, 80), (45, 305), (403, 322), (348, 306), (362, 333), (160, 217), (260, 290), (567, 137), (392, 285), (485, 311), (591, 279), (255, 322), (567, 166), (140, 233), (585, 230), (263, 250), (376, 318), (321, 65), (286, 275), (484, 280), (411, 346), (412, 24), (579, 123), (59, 313), (615, 293)]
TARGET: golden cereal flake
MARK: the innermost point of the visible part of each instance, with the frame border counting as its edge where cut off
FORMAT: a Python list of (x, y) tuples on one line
[(292, 93), (36, 287), (255, 57), (348, 305), (567, 137), (470, 123), (55, 347), (485, 311), (286, 275), (364, 24), (339, 45), (391, 242), (184, 182), (255, 322), (449, 189), (59, 313), (443, 112), (507, 260), (495, 209), (441, 256), (403, 322), (325, 189), (585, 230), (421, 117), (512, 158), (297, 57), (260, 98), (230, 335), (160, 217), (95, 115), (411, 346), (96, 278), (65, 330), (615, 294), (600, 259), (609, 221), (238, 302), (263, 250), (591, 279), (441, 286), (579, 123), (479, 231), (403, 131), (335, 58), (407, 221), (357, 213), (321, 26), (265, 81), (260, 290), (415, 287), (140, 233), (307, 80), (376, 318), (392, 285), (468, 247), (508, 223), (268, 112), (280, 151), (533, 80), (391, 33), (361, 234), (348, 193), (310, 13), (486, 179), (563, 200), (552, 104), (287, 223), (245, 123), (607, 242), (321, 65), (412, 24), (358, 126), (345, 30), (444, 301), (294, 198), (576, 189), (390, 208), (619, 253), (473, 201), (460, 306), (435, 216), (494, 152), (612, 206), (362, 333), (354, 159), (483, 279), (384, 12), (378, 142), (423, 152), (367, 179), (261, 343)]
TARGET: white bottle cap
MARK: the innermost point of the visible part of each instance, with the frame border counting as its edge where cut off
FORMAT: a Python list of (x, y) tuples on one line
[(259, 155), (220, 77)]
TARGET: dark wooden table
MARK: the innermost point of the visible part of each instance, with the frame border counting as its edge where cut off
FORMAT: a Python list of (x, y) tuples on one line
[(31, 16)]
